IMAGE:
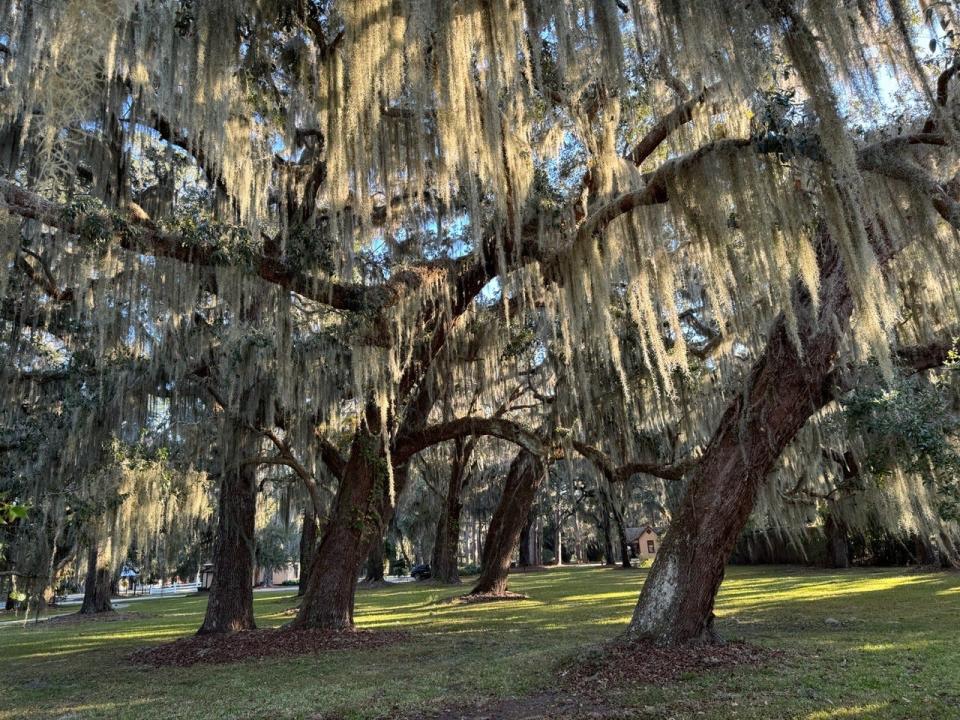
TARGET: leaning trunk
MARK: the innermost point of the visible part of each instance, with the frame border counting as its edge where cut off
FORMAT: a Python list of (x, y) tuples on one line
[(784, 389), (361, 509), (523, 479), (96, 588), (443, 563), (230, 603)]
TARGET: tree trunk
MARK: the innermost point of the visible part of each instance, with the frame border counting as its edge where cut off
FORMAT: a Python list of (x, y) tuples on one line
[(558, 535), (784, 389), (230, 602), (96, 587), (621, 537), (949, 551), (577, 538), (523, 479), (838, 546), (360, 511), (375, 561), (308, 545), (606, 531), (443, 563), (527, 543)]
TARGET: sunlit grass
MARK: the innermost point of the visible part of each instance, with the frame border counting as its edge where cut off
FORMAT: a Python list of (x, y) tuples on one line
[(892, 650)]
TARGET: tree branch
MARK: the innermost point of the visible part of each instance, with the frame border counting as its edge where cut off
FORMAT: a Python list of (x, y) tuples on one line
[(412, 443)]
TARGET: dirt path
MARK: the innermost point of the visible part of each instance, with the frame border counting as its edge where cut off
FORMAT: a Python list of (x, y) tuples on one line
[(551, 705)]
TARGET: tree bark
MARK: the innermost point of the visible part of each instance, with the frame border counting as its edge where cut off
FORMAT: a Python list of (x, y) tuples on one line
[(838, 546), (606, 531), (375, 559), (614, 522), (527, 543), (96, 587), (621, 536), (230, 602), (523, 479), (444, 560), (783, 390), (360, 511), (308, 545), (558, 534)]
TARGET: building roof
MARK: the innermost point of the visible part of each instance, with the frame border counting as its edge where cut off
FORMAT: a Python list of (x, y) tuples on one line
[(633, 533)]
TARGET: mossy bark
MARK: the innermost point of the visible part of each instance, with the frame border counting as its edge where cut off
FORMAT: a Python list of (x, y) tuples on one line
[(523, 480), (783, 390), (230, 602), (360, 510), (444, 560)]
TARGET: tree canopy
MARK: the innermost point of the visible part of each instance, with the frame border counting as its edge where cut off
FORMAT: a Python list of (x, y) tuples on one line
[(300, 242)]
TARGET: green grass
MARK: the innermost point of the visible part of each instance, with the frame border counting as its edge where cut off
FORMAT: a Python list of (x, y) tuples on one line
[(896, 653)]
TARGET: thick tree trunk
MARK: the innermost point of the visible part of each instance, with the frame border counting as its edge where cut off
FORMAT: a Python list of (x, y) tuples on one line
[(96, 587), (360, 511), (781, 393), (308, 545), (523, 479), (838, 545), (444, 561), (230, 602)]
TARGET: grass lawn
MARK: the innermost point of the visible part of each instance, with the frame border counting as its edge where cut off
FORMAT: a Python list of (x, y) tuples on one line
[(894, 654)]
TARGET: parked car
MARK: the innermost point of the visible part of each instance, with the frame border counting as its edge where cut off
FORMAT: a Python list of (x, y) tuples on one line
[(420, 572)]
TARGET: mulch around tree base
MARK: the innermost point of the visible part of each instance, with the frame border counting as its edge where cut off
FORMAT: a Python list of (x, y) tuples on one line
[(488, 597), (252, 644), (620, 662), (588, 684)]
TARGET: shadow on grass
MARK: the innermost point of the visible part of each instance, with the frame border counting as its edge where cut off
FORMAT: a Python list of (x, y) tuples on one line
[(896, 637)]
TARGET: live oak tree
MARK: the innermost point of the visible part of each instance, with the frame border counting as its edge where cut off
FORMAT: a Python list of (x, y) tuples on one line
[(358, 184)]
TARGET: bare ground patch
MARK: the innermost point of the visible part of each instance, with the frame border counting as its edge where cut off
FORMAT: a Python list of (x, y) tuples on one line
[(252, 644), (470, 599), (589, 684), (538, 706), (621, 663)]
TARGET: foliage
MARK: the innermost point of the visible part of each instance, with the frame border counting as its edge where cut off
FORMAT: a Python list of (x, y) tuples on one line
[(910, 426), (10, 512), (274, 547)]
